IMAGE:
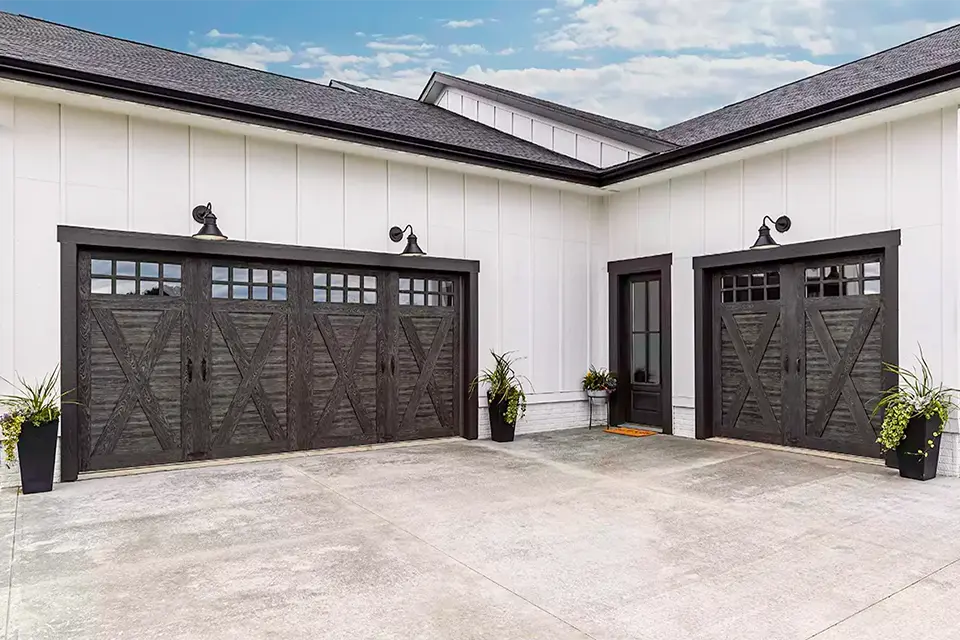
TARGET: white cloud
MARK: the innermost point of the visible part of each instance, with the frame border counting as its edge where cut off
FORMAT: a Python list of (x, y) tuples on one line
[(509, 51), (360, 34), (652, 90), (467, 49), (820, 27), (543, 12), (379, 45), (214, 33), (390, 59), (255, 56), (463, 24), (572, 4)]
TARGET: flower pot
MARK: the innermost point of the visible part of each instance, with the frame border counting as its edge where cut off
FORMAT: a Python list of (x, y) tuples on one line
[(919, 431), (598, 396), (500, 430), (37, 450)]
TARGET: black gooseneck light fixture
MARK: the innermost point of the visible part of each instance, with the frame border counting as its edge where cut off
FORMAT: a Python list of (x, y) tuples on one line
[(765, 240), (203, 214), (412, 248)]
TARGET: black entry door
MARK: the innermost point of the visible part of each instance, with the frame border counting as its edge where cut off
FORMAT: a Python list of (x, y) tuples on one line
[(799, 353), (643, 349)]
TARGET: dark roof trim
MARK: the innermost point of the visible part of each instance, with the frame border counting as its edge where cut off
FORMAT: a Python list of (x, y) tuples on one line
[(913, 88), (110, 239), (59, 78), (438, 81)]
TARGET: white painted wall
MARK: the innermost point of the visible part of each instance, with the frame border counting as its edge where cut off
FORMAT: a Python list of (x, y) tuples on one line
[(900, 175), (570, 141), (540, 263)]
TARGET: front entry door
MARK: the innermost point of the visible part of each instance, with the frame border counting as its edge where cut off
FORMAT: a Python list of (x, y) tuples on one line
[(643, 349), (798, 359)]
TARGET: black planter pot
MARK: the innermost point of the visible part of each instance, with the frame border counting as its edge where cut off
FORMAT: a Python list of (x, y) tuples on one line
[(500, 430), (37, 450), (919, 431)]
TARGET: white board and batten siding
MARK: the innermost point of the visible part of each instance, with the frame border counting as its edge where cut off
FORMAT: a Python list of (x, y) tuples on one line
[(569, 141), (540, 265), (900, 175)]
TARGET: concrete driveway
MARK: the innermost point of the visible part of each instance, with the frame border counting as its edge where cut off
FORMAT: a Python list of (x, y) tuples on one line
[(567, 535)]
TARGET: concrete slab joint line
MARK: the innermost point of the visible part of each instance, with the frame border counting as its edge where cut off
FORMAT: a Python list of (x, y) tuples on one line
[(564, 535)]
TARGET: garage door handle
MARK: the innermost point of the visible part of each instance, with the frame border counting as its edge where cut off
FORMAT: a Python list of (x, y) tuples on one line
[(798, 365), (393, 365), (203, 369), (786, 365), (189, 370)]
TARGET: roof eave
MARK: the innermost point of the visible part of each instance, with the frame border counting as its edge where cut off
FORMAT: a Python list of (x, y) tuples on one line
[(104, 86), (913, 88), (439, 81)]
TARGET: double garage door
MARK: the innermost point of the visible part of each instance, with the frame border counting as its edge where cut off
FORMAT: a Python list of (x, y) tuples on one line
[(798, 357), (183, 358)]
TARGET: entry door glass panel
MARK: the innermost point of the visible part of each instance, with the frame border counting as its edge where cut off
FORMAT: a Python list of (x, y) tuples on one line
[(645, 336)]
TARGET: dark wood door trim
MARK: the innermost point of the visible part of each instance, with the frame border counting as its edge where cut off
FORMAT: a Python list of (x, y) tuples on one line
[(886, 242), (74, 285), (618, 272)]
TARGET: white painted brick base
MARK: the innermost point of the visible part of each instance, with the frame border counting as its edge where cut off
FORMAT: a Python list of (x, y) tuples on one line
[(548, 416), (684, 422), (949, 464)]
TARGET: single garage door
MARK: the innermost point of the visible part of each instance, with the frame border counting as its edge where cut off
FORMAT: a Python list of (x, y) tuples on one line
[(183, 358), (800, 360)]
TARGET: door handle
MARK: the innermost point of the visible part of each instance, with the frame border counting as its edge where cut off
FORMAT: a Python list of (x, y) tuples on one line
[(393, 365), (786, 365), (203, 369), (798, 365), (189, 370)]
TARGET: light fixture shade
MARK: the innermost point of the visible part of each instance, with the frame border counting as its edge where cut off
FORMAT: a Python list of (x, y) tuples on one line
[(209, 230), (412, 248), (764, 240)]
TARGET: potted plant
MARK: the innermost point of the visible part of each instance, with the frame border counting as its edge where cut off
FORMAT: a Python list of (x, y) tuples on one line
[(29, 428), (599, 384), (914, 414), (506, 398)]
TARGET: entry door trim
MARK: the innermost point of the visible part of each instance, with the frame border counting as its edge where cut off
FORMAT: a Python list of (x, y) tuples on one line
[(887, 242), (618, 272), (75, 239)]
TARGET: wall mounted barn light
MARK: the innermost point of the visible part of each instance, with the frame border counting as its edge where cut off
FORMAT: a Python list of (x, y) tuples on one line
[(203, 214), (412, 248), (765, 240)]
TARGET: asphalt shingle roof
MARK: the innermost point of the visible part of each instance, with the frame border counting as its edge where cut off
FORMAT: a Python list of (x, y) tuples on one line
[(37, 41), (937, 50)]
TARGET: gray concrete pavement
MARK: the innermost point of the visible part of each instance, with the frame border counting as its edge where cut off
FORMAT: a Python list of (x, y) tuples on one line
[(571, 534)]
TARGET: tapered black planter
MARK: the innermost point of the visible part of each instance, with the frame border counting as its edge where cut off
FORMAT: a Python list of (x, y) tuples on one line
[(919, 432), (500, 431), (37, 450)]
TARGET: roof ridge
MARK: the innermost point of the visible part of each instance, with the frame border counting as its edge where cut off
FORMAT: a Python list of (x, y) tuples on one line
[(165, 49), (812, 76)]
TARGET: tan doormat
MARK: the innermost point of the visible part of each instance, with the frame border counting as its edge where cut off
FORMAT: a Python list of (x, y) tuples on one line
[(629, 431)]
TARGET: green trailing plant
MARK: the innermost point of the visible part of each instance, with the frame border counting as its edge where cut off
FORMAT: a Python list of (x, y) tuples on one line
[(599, 380), (33, 403), (504, 384), (916, 394)]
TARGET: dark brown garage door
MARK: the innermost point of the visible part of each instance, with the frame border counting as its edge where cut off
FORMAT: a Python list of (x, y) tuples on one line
[(185, 358), (800, 353)]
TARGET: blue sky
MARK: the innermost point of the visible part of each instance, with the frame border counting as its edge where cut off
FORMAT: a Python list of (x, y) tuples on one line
[(653, 62)]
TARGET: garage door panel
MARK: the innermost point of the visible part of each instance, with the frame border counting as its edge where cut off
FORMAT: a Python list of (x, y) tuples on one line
[(344, 376)]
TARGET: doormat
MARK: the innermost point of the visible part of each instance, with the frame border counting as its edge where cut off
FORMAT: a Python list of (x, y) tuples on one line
[(629, 431)]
